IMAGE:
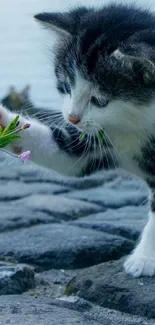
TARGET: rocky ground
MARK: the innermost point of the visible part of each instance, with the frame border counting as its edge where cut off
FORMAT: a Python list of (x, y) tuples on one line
[(62, 246)]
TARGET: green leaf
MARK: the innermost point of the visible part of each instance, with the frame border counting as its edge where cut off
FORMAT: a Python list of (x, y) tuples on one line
[(11, 127), (8, 134), (7, 140), (101, 137), (1, 130), (82, 136)]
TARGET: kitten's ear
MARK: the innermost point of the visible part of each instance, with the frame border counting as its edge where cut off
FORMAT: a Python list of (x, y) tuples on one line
[(25, 93), (64, 24), (142, 67), (56, 22)]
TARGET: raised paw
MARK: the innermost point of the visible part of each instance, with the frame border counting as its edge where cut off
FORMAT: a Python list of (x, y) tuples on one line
[(140, 265)]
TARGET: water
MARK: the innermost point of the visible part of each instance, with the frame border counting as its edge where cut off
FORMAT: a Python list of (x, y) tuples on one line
[(24, 47)]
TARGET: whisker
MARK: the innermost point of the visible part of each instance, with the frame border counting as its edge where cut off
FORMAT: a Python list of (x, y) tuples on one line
[(84, 153), (115, 152), (94, 148)]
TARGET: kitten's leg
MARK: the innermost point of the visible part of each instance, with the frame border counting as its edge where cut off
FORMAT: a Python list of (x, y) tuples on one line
[(142, 260), (59, 149)]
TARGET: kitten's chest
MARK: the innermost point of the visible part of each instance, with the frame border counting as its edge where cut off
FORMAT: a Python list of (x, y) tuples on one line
[(129, 147), (127, 144)]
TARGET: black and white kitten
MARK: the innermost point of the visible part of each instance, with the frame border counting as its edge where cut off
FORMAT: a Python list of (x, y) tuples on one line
[(105, 67)]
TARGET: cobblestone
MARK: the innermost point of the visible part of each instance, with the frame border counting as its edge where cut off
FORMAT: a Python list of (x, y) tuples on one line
[(59, 225)]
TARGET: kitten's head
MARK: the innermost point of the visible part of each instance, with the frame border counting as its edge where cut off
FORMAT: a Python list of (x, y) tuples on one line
[(104, 64)]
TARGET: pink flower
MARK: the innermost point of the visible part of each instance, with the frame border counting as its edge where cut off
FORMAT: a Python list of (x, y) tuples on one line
[(25, 156), (26, 126)]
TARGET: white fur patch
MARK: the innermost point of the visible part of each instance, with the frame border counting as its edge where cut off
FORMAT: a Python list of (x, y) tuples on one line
[(124, 123), (142, 260)]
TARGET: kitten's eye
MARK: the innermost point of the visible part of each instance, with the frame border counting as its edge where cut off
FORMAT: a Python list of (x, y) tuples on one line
[(64, 88), (67, 88), (99, 102)]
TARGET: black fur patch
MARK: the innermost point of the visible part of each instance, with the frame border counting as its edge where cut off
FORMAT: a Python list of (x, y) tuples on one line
[(68, 139), (153, 202), (147, 161), (96, 34), (95, 165), (151, 183), (69, 142)]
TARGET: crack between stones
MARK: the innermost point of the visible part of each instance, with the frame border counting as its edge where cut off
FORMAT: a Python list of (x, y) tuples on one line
[(110, 232)]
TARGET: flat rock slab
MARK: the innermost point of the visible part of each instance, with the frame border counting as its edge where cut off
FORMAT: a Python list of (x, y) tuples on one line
[(52, 283), (38, 209), (14, 190), (27, 310), (17, 310), (98, 313), (127, 221), (14, 216), (55, 276), (62, 246), (59, 206), (7, 174), (32, 173), (15, 279), (109, 286), (124, 194)]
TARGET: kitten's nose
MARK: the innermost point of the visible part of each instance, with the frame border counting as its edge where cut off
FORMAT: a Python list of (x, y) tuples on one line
[(73, 120)]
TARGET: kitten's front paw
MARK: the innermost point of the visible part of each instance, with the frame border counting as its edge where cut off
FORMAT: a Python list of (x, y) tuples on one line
[(140, 265)]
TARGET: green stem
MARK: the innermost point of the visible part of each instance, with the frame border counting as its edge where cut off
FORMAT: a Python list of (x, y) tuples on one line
[(9, 153), (13, 132)]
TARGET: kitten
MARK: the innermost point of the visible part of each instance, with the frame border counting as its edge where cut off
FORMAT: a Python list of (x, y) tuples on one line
[(105, 67)]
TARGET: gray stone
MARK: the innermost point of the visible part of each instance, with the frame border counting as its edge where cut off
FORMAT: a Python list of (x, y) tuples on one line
[(62, 246), (103, 315), (8, 174), (59, 206), (32, 173), (28, 310), (114, 198), (109, 286), (25, 310), (73, 303), (15, 279), (54, 276), (112, 317), (15, 190), (14, 216), (127, 221), (52, 283)]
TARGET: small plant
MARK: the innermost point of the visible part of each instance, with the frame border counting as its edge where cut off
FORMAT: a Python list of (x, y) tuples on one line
[(82, 136), (10, 134), (100, 137)]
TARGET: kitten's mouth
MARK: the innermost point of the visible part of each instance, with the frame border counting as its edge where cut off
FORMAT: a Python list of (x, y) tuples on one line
[(90, 129), (93, 132), (86, 130), (86, 127)]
